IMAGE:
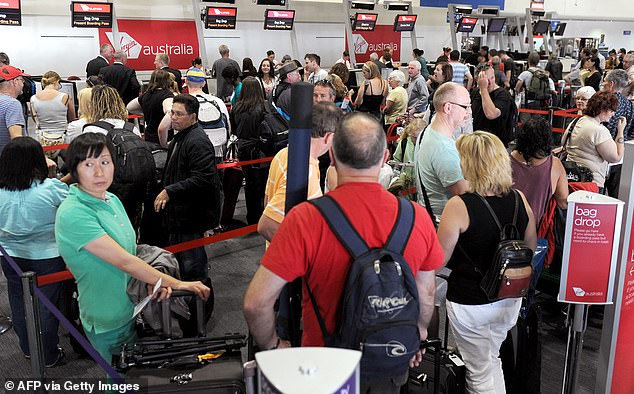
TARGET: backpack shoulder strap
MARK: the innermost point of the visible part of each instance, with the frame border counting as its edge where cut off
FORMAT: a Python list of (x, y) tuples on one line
[(128, 127), (397, 240), (101, 124), (340, 225), (495, 217)]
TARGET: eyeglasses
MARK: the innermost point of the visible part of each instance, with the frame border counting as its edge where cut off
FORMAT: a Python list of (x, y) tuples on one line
[(178, 114), (325, 83), (581, 99), (464, 106), (482, 67)]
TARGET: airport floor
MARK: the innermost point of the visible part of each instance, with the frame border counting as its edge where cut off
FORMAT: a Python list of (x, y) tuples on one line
[(232, 264)]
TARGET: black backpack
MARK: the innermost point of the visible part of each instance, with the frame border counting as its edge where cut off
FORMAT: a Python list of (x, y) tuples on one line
[(133, 160), (28, 90), (273, 135), (538, 89), (379, 307), (510, 126)]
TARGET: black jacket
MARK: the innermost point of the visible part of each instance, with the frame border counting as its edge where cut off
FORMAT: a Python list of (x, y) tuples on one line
[(95, 65), (122, 78), (177, 75), (192, 183)]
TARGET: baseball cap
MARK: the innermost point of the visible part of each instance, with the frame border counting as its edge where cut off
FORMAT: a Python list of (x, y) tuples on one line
[(8, 73), (195, 75), (287, 68)]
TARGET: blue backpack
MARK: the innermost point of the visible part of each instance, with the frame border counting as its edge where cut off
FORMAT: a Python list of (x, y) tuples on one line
[(379, 307)]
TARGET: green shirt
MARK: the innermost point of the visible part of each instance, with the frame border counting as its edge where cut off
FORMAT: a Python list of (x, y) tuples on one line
[(103, 301)]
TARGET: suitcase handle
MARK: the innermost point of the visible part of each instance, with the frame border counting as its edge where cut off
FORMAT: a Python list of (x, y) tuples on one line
[(167, 318), (436, 343)]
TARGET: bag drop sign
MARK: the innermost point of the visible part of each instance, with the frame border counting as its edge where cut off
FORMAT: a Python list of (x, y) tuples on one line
[(590, 248)]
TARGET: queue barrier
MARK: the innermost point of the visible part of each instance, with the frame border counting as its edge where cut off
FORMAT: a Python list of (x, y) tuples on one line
[(551, 113)]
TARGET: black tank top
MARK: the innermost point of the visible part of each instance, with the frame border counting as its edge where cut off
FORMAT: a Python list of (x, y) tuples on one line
[(152, 105), (479, 241), (372, 102)]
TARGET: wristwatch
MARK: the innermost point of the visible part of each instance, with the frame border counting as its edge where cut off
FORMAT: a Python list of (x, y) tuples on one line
[(620, 140)]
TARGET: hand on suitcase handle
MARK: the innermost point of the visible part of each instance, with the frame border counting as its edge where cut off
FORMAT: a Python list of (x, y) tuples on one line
[(197, 288)]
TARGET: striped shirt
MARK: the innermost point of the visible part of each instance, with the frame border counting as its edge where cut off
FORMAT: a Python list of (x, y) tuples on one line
[(10, 115), (460, 71)]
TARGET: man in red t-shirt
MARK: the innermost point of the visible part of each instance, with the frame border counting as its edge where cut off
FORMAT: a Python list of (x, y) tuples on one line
[(304, 246)]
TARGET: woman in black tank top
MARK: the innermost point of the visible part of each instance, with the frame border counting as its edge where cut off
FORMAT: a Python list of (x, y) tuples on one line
[(467, 227), (151, 105), (373, 92)]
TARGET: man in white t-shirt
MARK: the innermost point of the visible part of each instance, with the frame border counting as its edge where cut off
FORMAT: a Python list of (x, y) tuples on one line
[(345, 60), (313, 69)]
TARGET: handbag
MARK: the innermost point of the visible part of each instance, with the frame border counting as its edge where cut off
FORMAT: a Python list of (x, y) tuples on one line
[(510, 272), (574, 171), (51, 139)]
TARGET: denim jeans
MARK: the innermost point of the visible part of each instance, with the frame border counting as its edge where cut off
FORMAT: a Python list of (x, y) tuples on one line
[(52, 291)]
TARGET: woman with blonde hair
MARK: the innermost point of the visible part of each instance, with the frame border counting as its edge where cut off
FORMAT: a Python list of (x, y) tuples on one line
[(51, 110), (469, 236), (76, 126), (373, 92)]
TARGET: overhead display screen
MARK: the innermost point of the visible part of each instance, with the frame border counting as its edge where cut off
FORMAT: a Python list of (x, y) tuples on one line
[(404, 22), (467, 25), (279, 19), (10, 13), (561, 27), (91, 14), (364, 22), (221, 18), (496, 25), (541, 27)]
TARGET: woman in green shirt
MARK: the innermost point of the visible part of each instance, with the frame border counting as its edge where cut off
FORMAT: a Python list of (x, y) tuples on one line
[(98, 244)]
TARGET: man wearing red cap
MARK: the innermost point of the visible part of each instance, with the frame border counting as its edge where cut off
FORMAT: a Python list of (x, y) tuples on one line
[(11, 116)]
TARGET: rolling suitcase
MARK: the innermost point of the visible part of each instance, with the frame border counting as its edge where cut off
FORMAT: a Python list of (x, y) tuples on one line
[(192, 365), (441, 371)]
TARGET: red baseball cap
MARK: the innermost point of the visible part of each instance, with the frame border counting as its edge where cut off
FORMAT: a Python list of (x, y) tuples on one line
[(8, 73)]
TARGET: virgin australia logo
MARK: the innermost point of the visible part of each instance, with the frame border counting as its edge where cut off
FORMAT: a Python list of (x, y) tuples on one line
[(129, 45), (360, 44)]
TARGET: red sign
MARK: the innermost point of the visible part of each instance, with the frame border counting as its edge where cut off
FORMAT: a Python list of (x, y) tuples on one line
[(622, 376), (366, 42), (469, 21), (367, 17), (590, 249), (10, 4), (536, 5), (143, 39), (407, 18), (213, 11), (91, 7)]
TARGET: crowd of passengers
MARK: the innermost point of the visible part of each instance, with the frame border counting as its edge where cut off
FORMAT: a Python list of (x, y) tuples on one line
[(56, 211)]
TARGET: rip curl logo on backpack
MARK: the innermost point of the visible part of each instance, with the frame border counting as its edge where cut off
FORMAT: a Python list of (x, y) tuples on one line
[(392, 348), (383, 305)]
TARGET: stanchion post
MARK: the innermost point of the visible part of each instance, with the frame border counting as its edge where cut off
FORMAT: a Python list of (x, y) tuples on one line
[(33, 324), (577, 324)]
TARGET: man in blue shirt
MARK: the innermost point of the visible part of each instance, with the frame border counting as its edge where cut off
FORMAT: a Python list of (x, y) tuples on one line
[(11, 116)]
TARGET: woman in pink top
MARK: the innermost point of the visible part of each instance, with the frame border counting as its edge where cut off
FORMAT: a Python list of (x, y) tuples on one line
[(536, 172)]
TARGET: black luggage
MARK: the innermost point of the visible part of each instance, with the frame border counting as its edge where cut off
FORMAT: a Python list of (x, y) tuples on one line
[(198, 364), (221, 375), (437, 362), (441, 371)]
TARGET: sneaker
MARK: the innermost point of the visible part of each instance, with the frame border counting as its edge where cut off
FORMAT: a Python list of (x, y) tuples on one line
[(60, 357)]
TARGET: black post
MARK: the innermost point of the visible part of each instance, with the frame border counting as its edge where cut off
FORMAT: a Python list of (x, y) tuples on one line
[(33, 324), (301, 124)]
